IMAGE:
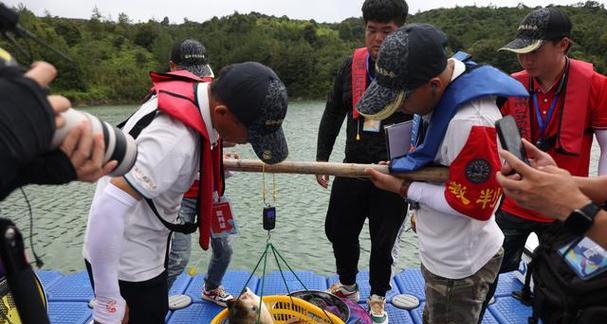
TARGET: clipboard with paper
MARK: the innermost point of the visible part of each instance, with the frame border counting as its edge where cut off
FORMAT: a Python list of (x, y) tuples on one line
[(398, 139)]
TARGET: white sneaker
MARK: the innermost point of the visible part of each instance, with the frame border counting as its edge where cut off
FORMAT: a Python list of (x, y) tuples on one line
[(218, 296), (341, 291), (376, 309)]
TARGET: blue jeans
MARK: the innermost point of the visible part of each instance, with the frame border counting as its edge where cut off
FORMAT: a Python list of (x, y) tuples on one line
[(181, 248)]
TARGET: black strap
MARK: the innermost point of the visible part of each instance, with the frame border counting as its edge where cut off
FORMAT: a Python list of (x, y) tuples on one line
[(187, 228), (142, 123)]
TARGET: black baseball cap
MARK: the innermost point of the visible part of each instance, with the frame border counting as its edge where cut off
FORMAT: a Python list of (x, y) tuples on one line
[(540, 25), (191, 55), (258, 98), (408, 58)]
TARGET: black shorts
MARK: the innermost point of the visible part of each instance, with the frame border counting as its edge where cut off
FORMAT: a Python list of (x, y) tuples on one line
[(148, 301)]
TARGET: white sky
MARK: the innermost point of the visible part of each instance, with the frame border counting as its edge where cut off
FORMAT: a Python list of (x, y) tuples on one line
[(201, 10)]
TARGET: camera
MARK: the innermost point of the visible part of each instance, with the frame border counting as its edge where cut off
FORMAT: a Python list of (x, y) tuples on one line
[(118, 145)]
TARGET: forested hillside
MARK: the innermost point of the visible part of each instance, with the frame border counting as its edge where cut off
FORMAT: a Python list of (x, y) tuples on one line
[(113, 56)]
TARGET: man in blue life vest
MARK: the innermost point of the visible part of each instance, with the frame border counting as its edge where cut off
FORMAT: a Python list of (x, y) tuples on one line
[(354, 200), (179, 132), (566, 107), (460, 243)]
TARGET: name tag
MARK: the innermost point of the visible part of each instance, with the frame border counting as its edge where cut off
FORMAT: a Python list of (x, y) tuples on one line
[(223, 223), (371, 125)]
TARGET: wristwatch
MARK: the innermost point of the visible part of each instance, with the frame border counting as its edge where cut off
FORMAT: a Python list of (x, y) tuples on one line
[(580, 220)]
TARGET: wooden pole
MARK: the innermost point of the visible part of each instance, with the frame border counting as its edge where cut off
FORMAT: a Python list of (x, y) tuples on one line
[(351, 170)]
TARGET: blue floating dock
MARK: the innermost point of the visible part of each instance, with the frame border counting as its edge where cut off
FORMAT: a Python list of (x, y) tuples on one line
[(68, 295)]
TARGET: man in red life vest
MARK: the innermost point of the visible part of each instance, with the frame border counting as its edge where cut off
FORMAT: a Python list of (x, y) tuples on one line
[(354, 200), (191, 55), (131, 217), (567, 105)]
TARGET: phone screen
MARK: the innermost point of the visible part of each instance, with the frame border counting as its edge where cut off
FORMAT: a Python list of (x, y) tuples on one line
[(510, 137)]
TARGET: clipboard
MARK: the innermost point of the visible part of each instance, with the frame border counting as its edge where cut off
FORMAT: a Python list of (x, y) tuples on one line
[(398, 139)]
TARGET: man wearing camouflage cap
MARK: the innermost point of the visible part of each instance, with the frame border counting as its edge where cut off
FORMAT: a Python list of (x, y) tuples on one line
[(455, 103)]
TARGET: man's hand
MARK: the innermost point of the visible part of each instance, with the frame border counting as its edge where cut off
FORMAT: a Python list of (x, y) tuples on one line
[(44, 73), (537, 158), (59, 105), (86, 152), (544, 188), (125, 319), (323, 180), (41, 72), (385, 181), (231, 155)]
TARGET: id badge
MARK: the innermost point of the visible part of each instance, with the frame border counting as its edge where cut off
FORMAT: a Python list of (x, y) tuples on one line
[(223, 223), (587, 259), (371, 125)]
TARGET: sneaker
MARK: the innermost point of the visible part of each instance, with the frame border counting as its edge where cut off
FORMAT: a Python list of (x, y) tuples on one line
[(341, 291), (376, 309), (218, 296)]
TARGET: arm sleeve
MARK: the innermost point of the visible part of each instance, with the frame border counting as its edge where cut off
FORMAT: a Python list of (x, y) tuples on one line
[(431, 195), (165, 148), (104, 245), (601, 137), (334, 114)]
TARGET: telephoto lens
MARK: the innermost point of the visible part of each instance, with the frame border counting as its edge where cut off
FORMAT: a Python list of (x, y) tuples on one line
[(118, 145)]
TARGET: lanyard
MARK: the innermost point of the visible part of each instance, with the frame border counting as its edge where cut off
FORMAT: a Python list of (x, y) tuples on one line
[(543, 123), (371, 77)]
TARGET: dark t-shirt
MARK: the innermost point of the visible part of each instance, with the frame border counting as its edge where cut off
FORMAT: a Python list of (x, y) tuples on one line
[(371, 147)]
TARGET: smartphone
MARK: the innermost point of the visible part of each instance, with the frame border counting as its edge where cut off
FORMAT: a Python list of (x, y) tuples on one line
[(510, 137)]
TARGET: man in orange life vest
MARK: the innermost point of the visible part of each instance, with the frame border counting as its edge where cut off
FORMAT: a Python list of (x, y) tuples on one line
[(354, 200), (132, 217), (567, 105)]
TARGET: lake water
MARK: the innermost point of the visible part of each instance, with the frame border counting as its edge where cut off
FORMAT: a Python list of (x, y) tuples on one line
[(60, 212)]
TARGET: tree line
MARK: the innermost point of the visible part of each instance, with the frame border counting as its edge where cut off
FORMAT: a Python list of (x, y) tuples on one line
[(112, 57)]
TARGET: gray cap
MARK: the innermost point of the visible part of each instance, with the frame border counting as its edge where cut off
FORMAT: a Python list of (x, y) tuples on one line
[(191, 55)]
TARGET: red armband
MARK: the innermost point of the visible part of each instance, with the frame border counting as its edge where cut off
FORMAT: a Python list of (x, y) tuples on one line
[(472, 188)]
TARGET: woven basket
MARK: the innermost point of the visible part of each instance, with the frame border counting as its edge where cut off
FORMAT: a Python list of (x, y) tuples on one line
[(285, 309)]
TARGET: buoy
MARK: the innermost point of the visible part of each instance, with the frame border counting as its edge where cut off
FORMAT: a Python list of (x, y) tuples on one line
[(179, 301), (405, 301)]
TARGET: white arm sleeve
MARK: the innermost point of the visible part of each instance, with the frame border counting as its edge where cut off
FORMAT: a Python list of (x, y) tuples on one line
[(601, 137), (432, 196), (104, 244)]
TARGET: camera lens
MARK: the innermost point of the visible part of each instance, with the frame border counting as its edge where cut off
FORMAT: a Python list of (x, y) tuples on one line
[(119, 146)]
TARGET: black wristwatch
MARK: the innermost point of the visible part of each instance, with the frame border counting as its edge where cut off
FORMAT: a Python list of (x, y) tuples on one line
[(580, 220)]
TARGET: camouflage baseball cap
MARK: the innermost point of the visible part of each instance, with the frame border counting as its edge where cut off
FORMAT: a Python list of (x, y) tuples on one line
[(408, 58), (258, 98), (538, 26), (191, 55)]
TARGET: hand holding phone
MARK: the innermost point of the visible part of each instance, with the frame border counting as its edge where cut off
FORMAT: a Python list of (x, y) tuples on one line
[(510, 138)]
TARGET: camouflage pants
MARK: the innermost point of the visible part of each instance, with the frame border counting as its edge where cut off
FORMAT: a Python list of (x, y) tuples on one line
[(458, 300)]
